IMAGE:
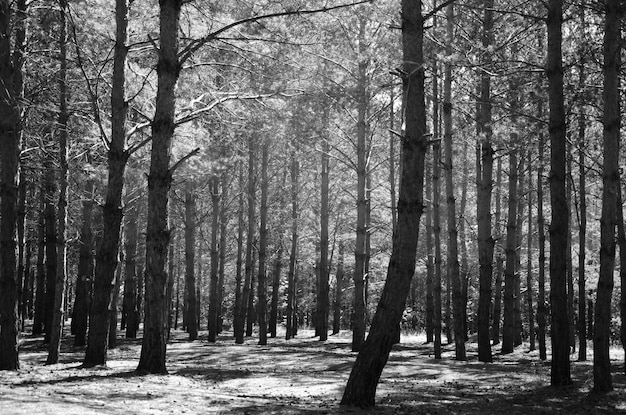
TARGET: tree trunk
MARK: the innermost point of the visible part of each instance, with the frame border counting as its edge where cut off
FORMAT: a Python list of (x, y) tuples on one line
[(248, 287), (465, 273), (40, 296), (508, 331), (437, 233), (10, 134), (153, 346), (453, 240), (582, 184), (570, 268), (621, 239), (560, 367), (112, 342), (529, 256), (541, 278), (262, 278), (430, 260), (222, 255), (51, 247), (610, 196), (130, 271), (338, 289), (292, 319), (484, 163), (84, 278), (190, 259), (21, 249), (517, 304), (361, 387), (106, 256), (392, 162), (497, 302), (238, 315), (214, 281)]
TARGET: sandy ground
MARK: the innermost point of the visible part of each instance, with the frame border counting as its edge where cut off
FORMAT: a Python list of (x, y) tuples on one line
[(298, 376)]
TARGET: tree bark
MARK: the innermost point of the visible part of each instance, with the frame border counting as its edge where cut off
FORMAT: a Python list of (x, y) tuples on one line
[(529, 261), (262, 278), (437, 233), (430, 260), (602, 381), (339, 275), (130, 271), (238, 315), (11, 135), (323, 298), (508, 331), (107, 253), (190, 261), (361, 387), (248, 286), (153, 346), (541, 278), (80, 312), (499, 252), (292, 320), (40, 296), (484, 162), (51, 247), (560, 366)]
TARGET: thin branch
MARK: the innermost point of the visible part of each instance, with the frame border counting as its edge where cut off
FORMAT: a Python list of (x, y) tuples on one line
[(176, 165)]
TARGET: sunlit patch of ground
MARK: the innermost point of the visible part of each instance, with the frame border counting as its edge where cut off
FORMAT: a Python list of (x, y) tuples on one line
[(297, 376)]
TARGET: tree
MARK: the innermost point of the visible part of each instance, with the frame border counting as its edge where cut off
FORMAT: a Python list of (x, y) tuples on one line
[(560, 366), (361, 387), (190, 256), (262, 278), (11, 133), (508, 331), (610, 195)]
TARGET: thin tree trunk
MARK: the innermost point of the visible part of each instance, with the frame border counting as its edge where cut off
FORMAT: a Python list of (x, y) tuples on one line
[(621, 239), (238, 315), (484, 162), (130, 271), (361, 387), (153, 346), (497, 302), (323, 298), (248, 287), (338, 289), (214, 280), (430, 260), (262, 277), (112, 342), (190, 258), (392, 162), (107, 253), (560, 367), (51, 248), (602, 381), (437, 233), (517, 304), (278, 263), (529, 261), (465, 273), (40, 296), (292, 319), (570, 267), (508, 331)]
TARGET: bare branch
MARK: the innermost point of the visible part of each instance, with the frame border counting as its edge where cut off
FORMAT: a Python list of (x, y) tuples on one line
[(176, 165)]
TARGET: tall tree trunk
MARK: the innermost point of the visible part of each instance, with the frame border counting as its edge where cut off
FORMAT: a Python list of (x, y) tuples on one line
[(248, 287), (112, 342), (85, 269), (51, 247), (484, 162), (106, 255), (59, 291), (323, 297), (602, 381), (517, 304), (621, 239), (437, 233), (392, 161), (40, 296), (190, 258), (238, 315), (560, 367), (465, 273), (338, 289), (153, 346), (21, 249), (222, 255), (10, 134), (499, 252), (292, 319), (570, 267), (508, 331), (130, 271), (430, 260), (214, 279), (453, 240), (278, 262), (262, 278), (529, 261), (361, 387)]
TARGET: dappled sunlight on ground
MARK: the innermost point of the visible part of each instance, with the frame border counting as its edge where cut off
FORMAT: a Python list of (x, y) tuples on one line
[(297, 376)]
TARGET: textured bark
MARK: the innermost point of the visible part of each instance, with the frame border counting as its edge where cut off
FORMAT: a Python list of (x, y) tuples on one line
[(529, 261), (115, 296), (10, 134), (517, 304), (107, 252), (430, 260), (621, 240), (453, 240), (130, 272), (484, 173), (499, 252), (437, 233), (361, 387), (40, 296), (190, 261), (214, 278), (339, 275), (602, 381), (465, 273), (292, 320), (508, 331), (51, 247), (582, 184), (360, 254), (84, 278), (153, 346), (278, 262), (323, 296), (248, 286), (21, 249), (541, 278), (262, 277), (238, 316), (560, 367), (222, 255), (62, 124), (392, 162)]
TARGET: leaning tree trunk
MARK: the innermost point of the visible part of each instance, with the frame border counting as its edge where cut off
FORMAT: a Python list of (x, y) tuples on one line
[(10, 134), (361, 387), (107, 253), (153, 346), (484, 173), (560, 367), (602, 381)]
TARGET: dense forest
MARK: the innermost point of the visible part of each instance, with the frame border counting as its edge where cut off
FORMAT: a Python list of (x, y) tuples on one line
[(259, 171)]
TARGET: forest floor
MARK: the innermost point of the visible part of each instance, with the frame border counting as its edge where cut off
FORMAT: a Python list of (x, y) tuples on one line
[(298, 376)]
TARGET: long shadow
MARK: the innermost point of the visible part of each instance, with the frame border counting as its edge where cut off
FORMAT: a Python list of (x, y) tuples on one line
[(78, 378)]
